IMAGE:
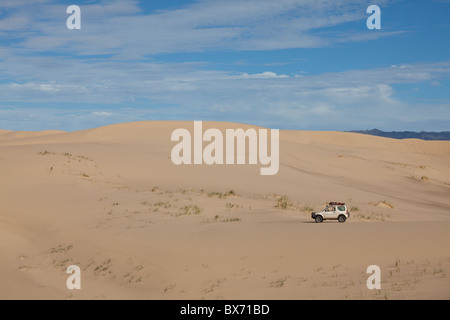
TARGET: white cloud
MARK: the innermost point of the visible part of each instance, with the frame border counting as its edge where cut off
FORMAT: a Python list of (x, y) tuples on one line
[(264, 75), (102, 114), (119, 27), (7, 4), (341, 100), (14, 23)]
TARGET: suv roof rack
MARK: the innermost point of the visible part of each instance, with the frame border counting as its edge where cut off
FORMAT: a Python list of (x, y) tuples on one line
[(336, 203)]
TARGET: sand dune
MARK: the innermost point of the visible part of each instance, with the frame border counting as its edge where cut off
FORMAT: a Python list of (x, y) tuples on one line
[(111, 201), (6, 134)]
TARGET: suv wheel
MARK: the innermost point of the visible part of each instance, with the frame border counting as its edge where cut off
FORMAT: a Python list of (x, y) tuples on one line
[(342, 218), (319, 219)]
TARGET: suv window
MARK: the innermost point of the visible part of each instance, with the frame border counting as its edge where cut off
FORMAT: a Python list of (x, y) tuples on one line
[(341, 208)]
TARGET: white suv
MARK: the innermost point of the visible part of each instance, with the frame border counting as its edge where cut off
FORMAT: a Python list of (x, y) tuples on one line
[(333, 211)]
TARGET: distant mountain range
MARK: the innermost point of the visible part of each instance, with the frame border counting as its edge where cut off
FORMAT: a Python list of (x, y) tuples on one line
[(445, 135)]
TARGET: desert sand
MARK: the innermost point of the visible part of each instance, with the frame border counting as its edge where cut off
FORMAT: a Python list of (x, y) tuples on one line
[(111, 201)]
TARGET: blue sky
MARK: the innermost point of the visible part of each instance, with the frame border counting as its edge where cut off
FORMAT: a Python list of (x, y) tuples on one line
[(287, 64)]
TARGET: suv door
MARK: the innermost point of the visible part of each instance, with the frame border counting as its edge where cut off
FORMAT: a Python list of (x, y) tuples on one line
[(331, 212)]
